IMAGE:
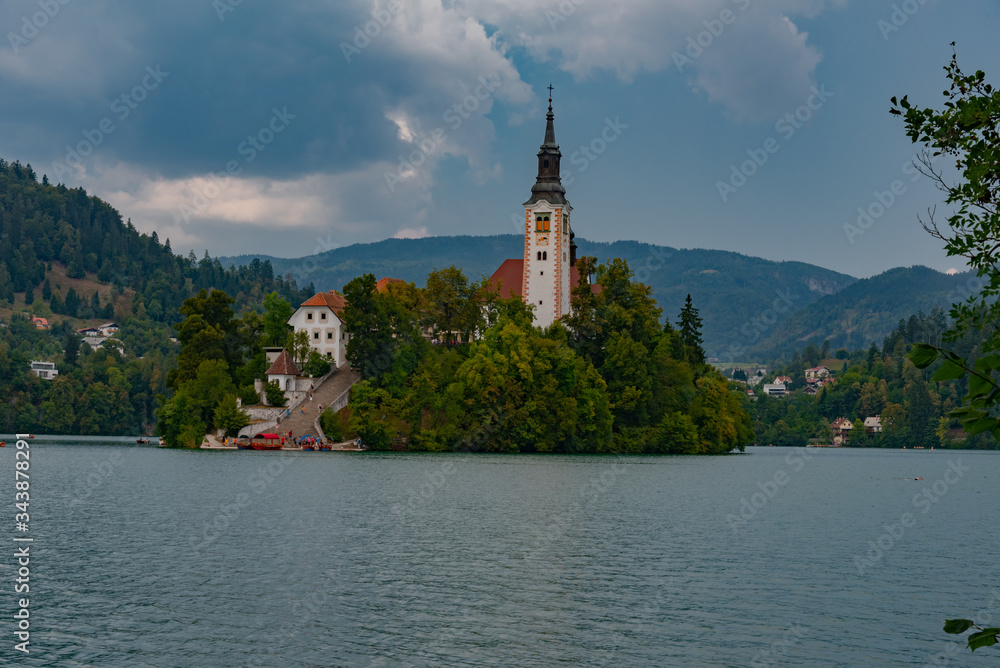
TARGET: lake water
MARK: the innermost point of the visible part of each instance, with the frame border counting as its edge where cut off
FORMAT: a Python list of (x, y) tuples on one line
[(149, 557)]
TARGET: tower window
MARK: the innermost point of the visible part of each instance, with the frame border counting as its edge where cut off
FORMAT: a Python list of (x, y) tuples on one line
[(546, 164), (539, 258), (542, 273), (539, 302), (545, 255), (542, 222)]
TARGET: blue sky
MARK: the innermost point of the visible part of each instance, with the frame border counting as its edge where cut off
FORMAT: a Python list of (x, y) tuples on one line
[(283, 128)]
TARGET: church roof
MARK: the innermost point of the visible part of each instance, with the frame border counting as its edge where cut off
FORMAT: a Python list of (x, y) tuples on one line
[(332, 300), (385, 282), (509, 278), (283, 366)]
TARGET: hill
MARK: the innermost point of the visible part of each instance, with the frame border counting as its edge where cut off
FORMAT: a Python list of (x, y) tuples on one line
[(729, 289), (867, 311)]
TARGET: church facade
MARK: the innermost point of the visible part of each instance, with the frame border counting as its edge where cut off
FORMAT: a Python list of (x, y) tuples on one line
[(545, 276)]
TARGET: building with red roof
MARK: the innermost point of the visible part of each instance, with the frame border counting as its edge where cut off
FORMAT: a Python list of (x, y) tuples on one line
[(320, 317)]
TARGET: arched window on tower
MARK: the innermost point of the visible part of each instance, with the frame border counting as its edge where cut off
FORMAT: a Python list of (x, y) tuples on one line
[(542, 222), (545, 255), (539, 258)]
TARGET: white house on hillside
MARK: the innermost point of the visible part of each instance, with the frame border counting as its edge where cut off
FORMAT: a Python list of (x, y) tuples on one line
[(44, 370), (319, 316)]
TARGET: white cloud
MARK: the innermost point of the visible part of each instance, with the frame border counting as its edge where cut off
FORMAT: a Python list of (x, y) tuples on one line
[(411, 233)]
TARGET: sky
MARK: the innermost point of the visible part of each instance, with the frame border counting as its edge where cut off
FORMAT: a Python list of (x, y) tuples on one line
[(233, 126)]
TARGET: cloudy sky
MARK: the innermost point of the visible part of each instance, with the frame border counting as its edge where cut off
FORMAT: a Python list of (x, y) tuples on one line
[(242, 126)]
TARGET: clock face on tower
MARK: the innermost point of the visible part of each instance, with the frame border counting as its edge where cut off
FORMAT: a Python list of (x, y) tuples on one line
[(542, 240)]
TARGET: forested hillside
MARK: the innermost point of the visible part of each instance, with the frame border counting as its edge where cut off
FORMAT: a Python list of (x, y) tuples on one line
[(69, 257), (867, 311)]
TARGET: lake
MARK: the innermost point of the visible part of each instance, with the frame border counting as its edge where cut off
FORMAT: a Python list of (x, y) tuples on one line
[(777, 557)]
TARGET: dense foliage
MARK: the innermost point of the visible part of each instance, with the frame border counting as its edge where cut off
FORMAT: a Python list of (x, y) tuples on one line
[(97, 392), (608, 379)]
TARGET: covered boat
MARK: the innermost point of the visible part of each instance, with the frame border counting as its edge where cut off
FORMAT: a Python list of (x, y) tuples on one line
[(266, 441)]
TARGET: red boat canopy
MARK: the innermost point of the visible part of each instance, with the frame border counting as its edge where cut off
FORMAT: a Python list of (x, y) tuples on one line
[(267, 436)]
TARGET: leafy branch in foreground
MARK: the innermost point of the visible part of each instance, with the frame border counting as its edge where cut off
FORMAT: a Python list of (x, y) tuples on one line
[(982, 638), (977, 415), (967, 130)]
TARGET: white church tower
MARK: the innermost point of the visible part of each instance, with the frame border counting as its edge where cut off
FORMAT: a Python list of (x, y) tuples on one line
[(549, 249)]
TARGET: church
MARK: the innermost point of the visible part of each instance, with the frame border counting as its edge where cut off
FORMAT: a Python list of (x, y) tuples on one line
[(547, 273)]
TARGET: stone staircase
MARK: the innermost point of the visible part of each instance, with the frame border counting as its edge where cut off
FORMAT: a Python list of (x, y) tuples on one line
[(303, 417)]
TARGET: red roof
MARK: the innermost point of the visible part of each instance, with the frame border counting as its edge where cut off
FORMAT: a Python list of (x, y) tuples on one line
[(283, 366), (384, 283), (509, 275), (332, 300)]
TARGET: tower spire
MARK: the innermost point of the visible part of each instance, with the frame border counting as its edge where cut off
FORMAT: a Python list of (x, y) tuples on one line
[(548, 185)]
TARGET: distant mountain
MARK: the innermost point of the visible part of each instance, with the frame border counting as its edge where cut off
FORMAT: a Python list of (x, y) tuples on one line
[(865, 311), (729, 289)]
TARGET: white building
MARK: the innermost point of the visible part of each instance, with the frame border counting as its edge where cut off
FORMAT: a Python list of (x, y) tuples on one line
[(873, 425), (44, 370), (319, 316), (774, 389)]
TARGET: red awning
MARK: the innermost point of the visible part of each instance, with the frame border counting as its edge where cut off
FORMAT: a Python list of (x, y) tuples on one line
[(267, 436)]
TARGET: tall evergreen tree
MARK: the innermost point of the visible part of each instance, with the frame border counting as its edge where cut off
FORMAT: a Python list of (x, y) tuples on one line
[(689, 324)]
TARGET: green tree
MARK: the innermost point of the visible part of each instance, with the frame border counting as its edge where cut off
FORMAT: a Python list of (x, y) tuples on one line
[(369, 322), (373, 413), (689, 324), (229, 416), (451, 305), (277, 313), (274, 394)]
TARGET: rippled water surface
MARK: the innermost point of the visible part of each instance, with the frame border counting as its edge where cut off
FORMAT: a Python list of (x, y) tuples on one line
[(148, 557)]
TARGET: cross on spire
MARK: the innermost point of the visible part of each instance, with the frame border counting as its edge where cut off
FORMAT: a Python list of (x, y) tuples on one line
[(551, 88)]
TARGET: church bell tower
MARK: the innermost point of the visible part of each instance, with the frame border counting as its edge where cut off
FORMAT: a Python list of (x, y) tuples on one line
[(549, 249)]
